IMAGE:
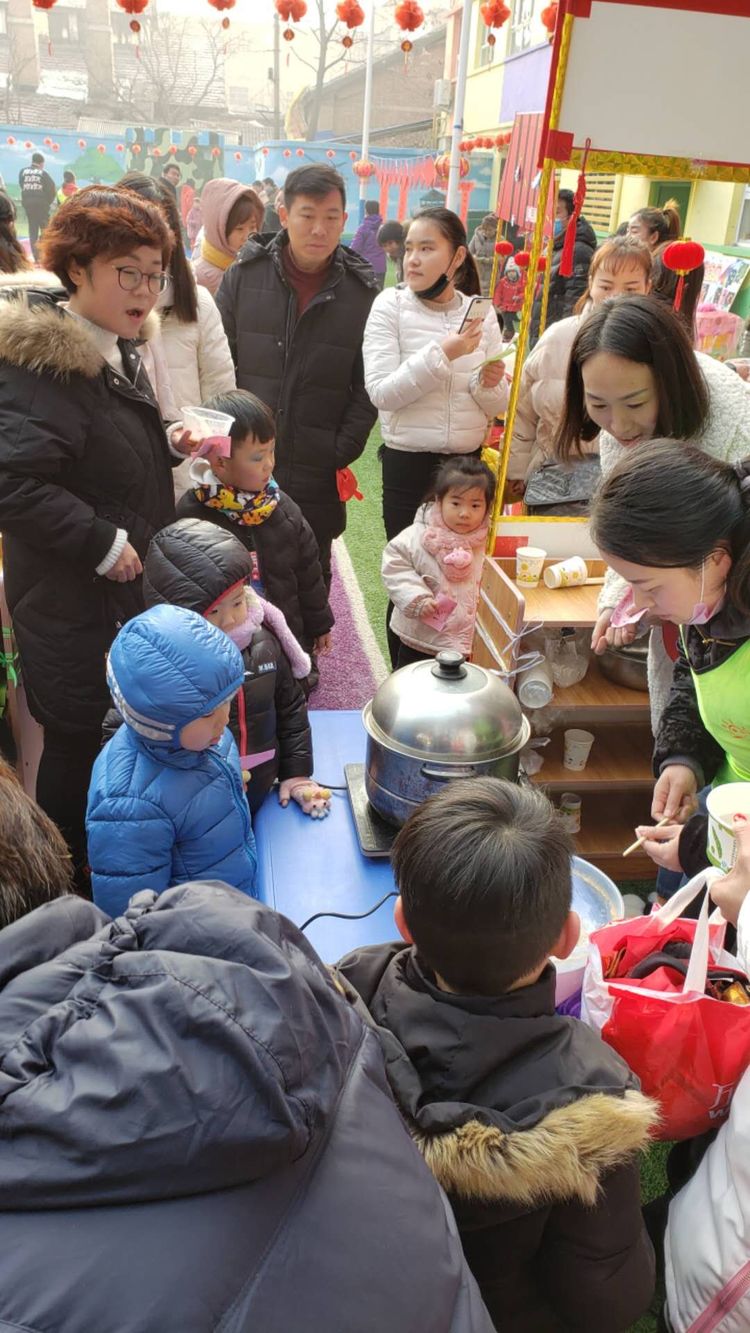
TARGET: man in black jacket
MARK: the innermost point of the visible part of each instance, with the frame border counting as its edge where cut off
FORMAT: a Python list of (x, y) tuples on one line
[(294, 310), (564, 292), (38, 192)]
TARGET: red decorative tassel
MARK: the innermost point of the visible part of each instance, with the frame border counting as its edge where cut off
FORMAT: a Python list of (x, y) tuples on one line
[(566, 262), (679, 291)]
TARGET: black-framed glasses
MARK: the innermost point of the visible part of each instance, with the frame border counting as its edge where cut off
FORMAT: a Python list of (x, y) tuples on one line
[(130, 278)]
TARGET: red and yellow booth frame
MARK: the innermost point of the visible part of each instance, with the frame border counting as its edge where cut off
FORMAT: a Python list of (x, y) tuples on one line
[(637, 88)]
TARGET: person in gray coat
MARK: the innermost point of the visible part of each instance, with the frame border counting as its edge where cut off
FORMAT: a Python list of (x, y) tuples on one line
[(197, 1135)]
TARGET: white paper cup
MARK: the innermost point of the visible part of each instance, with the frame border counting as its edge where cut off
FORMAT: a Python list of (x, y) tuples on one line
[(529, 565), (577, 749), (723, 804), (570, 812), (203, 423), (567, 574)]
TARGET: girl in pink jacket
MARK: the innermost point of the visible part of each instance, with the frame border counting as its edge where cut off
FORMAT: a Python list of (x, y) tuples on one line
[(432, 569), (231, 213)]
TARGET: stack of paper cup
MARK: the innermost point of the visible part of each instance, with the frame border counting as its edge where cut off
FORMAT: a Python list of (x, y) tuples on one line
[(529, 565), (567, 574), (577, 749)]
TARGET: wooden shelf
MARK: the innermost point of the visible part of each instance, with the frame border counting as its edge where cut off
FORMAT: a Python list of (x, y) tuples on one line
[(619, 761), (607, 829), (595, 692)]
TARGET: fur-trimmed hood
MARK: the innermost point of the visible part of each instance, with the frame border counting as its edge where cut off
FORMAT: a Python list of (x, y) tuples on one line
[(509, 1103), (35, 334)]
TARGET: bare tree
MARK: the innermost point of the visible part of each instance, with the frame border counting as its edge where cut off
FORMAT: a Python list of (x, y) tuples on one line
[(21, 76), (180, 62), (322, 30)]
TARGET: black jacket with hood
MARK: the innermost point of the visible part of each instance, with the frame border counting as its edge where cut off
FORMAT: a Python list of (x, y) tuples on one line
[(191, 564), (565, 292), (82, 453), (682, 738), (533, 1127), (308, 370), (288, 562), (198, 1135)]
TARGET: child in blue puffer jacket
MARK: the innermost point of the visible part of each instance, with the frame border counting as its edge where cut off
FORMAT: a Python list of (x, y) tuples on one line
[(166, 801)]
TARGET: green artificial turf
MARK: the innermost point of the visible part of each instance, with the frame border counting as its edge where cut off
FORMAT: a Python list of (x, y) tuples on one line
[(365, 536)]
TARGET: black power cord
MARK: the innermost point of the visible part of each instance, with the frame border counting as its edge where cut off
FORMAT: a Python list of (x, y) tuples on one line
[(349, 916)]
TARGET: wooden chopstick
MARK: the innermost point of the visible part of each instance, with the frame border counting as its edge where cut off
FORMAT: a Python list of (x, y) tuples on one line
[(640, 841)]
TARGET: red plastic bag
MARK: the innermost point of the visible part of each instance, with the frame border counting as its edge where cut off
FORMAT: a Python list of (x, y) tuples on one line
[(346, 485), (688, 1050)]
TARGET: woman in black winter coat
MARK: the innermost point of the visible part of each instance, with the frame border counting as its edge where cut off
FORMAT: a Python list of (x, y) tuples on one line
[(85, 476), (195, 565)]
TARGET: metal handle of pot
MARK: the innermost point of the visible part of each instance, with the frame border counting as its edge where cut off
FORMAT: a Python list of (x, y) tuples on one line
[(446, 774)]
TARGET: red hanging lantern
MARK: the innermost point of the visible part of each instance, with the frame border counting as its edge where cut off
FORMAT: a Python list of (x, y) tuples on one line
[(133, 7), (443, 166), (287, 152), (221, 5), (216, 152), (44, 4), (549, 18), (409, 16), (120, 148), (55, 148), (494, 13), (522, 259), (352, 14), (290, 11), (264, 151), (192, 150), (504, 249), (11, 141), (238, 157), (300, 152), (171, 150), (101, 148), (82, 144), (541, 264), (330, 154), (363, 169), (156, 152), (28, 144), (353, 156), (48, 142), (135, 148), (682, 257)]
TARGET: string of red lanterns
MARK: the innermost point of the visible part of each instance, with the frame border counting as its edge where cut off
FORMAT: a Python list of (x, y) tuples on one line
[(485, 141)]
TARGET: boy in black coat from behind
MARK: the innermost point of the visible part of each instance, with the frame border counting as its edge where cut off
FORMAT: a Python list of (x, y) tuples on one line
[(239, 494), (529, 1121), (195, 565)]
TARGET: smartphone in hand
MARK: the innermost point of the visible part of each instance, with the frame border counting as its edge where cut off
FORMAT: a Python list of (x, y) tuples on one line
[(478, 308)]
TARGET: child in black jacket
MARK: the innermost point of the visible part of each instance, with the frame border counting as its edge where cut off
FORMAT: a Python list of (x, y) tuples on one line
[(239, 495), (198, 566), (530, 1122)]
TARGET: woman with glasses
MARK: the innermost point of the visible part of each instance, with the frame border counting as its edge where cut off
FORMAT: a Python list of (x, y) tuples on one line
[(85, 473), (196, 355)]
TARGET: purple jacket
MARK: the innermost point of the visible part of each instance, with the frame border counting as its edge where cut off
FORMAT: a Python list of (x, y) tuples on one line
[(365, 242)]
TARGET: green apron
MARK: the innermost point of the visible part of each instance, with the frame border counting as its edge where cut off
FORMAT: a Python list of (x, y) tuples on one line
[(723, 696)]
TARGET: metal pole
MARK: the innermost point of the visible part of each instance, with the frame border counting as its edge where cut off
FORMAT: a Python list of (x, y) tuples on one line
[(276, 68), (458, 107), (367, 109)]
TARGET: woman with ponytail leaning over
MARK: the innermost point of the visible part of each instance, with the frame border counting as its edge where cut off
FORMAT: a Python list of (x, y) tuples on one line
[(656, 226), (675, 524)]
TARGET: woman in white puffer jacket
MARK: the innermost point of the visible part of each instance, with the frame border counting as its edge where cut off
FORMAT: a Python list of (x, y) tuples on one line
[(430, 383), (193, 347)]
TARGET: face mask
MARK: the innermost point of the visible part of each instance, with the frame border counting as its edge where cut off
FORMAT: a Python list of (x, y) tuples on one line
[(437, 288), (702, 613), (559, 226)]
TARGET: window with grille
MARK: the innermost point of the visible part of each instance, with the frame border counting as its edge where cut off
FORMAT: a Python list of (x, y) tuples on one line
[(600, 193)]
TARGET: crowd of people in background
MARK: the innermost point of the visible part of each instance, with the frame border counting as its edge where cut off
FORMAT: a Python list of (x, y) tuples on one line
[(170, 598)]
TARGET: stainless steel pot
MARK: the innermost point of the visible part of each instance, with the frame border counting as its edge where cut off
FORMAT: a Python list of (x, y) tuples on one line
[(435, 721), (626, 666)]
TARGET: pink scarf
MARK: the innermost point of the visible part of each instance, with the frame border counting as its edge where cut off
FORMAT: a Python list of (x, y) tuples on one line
[(454, 551), (261, 612)]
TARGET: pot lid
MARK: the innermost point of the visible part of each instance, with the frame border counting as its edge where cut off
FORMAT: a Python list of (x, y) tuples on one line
[(447, 709)]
